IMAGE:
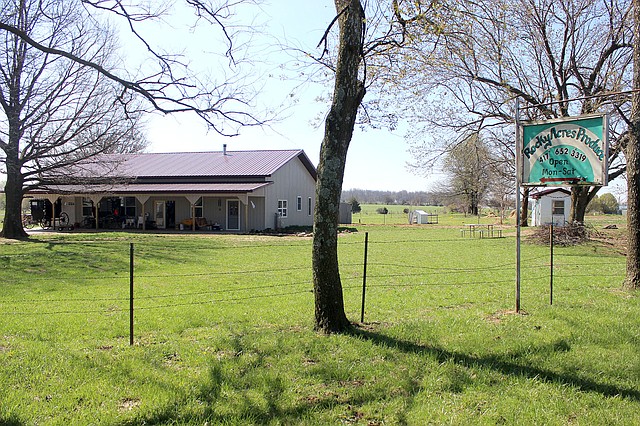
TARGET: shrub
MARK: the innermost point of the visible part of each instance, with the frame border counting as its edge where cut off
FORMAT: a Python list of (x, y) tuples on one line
[(355, 205), (609, 203)]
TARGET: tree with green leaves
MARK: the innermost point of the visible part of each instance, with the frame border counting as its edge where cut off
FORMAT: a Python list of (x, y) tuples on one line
[(608, 203), (355, 205)]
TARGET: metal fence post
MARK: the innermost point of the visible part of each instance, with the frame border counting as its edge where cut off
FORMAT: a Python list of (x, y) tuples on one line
[(364, 274), (551, 264), (131, 294)]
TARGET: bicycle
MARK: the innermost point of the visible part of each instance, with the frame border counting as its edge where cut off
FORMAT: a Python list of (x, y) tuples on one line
[(88, 222), (63, 221)]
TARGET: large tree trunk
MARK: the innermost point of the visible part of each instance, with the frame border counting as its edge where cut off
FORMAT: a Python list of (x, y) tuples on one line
[(347, 96), (524, 210), (632, 153), (12, 223), (473, 205), (581, 196)]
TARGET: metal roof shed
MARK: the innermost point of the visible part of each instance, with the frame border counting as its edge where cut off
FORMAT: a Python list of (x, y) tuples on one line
[(551, 206), (420, 217)]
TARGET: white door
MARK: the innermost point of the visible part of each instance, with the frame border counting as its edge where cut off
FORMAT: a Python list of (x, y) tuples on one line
[(160, 213)]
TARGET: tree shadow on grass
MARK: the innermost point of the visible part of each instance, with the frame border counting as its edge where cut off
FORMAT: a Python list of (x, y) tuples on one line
[(11, 421), (242, 387), (500, 365)]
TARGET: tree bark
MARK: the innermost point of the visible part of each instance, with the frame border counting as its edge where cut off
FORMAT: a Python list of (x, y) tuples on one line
[(12, 223), (581, 196), (524, 211), (632, 152), (348, 94)]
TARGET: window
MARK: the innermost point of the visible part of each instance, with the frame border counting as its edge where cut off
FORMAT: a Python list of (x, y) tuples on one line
[(299, 203), (310, 207), (87, 207), (198, 210), (130, 206), (557, 207), (282, 208)]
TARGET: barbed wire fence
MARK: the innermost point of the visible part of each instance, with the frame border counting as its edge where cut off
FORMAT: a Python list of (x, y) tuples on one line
[(137, 292)]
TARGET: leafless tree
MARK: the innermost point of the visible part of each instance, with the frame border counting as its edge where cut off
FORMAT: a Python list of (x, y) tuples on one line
[(56, 112), (67, 40), (469, 170), (489, 52), (168, 82), (348, 94)]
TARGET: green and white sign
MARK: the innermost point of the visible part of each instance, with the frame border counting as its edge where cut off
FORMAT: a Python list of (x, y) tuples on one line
[(564, 151)]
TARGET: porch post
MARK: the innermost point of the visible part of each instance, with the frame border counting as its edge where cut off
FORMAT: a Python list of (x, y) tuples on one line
[(192, 199), (143, 199), (95, 199), (246, 217), (52, 199)]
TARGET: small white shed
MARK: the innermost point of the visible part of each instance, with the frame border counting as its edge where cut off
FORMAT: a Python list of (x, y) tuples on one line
[(551, 206), (420, 217)]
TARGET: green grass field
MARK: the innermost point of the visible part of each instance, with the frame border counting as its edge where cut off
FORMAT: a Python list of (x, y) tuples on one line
[(397, 216), (223, 331)]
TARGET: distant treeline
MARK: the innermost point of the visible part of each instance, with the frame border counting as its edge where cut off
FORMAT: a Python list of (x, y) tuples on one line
[(419, 198)]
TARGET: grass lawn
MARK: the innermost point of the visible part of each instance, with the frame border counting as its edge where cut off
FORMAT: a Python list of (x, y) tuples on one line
[(396, 215), (223, 331)]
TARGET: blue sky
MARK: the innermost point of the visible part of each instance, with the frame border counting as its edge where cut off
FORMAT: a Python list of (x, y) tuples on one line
[(377, 159)]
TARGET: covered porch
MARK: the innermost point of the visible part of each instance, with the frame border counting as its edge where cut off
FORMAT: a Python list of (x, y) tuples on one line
[(228, 207)]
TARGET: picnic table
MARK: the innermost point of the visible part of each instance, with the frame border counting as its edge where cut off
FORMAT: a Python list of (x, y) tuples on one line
[(481, 230)]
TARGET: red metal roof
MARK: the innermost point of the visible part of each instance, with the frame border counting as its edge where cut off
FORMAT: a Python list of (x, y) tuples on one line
[(200, 164), (135, 188), (541, 193)]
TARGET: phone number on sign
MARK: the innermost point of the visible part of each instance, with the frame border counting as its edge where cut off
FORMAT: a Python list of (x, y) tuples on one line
[(574, 153)]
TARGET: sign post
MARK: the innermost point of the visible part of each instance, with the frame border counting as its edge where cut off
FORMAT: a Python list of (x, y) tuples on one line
[(568, 151), (518, 203)]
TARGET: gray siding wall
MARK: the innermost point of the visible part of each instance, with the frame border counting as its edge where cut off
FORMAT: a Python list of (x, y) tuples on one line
[(183, 208), (291, 181), (256, 214), (214, 210)]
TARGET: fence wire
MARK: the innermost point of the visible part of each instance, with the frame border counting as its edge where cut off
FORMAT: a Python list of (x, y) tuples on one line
[(381, 275)]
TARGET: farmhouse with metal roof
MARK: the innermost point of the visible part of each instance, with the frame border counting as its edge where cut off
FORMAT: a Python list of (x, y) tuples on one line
[(227, 190)]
